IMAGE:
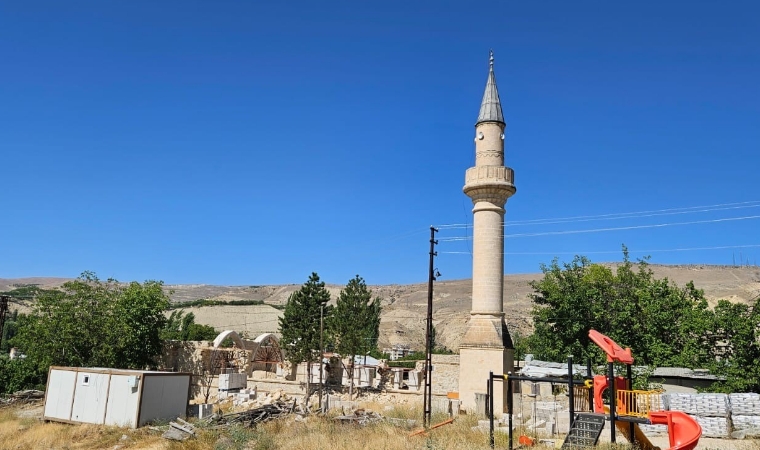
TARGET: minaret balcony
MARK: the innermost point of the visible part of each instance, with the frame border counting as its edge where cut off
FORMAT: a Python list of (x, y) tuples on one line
[(489, 175), (494, 184)]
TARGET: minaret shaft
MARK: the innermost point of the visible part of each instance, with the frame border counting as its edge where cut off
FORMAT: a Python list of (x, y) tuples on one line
[(488, 260)]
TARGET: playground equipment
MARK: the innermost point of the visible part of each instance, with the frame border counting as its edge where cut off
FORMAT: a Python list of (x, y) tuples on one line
[(627, 407), (508, 379), (630, 407)]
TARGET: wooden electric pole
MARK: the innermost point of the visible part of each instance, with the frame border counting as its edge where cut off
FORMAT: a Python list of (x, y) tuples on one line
[(428, 393)]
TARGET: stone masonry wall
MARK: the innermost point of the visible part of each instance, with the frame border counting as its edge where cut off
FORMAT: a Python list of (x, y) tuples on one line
[(445, 374)]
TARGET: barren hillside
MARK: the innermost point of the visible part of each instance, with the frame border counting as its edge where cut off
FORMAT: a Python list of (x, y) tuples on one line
[(404, 305)]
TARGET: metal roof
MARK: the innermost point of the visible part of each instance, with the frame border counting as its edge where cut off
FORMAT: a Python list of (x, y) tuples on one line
[(542, 369), (682, 372), (365, 360), (490, 107)]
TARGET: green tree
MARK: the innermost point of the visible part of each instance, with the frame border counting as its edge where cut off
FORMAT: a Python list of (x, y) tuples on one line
[(10, 328), (94, 323), (662, 323), (182, 327), (139, 318), (200, 332), (735, 346), (436, 348), (521, 345), (299, 324), (19, 374), (355, 323)]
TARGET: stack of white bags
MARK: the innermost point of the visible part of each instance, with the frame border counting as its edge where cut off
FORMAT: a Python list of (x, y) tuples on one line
[(745, 411), (711, 411)]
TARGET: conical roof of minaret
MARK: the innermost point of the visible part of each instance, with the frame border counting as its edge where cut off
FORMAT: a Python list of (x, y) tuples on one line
[(490, 107)]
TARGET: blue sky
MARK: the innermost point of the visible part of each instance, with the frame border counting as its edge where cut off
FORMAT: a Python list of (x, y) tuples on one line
[(240, 142)]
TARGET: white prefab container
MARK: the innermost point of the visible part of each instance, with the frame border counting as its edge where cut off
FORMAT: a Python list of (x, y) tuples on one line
[(124, 398)]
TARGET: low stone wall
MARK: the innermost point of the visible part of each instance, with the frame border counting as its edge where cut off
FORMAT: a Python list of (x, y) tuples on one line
[(194, 357), (445, 374), (292, 388)]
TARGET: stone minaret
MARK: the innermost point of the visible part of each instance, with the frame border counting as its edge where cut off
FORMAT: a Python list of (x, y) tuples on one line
[(486, 345)]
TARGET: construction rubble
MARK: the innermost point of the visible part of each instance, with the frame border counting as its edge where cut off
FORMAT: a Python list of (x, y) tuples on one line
[(21, 397), (249, 408), (248, 399), (360, 417), (259, 414)]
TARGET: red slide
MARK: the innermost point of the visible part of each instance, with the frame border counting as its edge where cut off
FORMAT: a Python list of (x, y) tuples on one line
[(684, 432), (615, 353)]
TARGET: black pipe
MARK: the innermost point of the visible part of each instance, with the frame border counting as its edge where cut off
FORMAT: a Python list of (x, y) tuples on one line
[(489, 405), (590, 376), (611, 377), (538, 380), (571, 389)]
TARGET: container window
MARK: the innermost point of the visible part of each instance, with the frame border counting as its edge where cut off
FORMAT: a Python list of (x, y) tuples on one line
[(86, 380)]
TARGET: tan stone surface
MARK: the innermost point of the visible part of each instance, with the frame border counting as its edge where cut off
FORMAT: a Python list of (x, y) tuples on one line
[(445, 374), (474, 367)]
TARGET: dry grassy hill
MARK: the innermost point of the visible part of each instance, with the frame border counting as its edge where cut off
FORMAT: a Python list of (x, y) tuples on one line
[(404, 305)]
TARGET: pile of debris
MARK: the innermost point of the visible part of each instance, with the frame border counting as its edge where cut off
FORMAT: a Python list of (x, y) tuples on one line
[(182, 430), (179, 431), (248, 399), (21, 397), (258, 415), (360, 417), (276, 409)]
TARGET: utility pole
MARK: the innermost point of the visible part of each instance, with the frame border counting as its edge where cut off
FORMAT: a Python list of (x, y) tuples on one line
[(321, 350), (428, 393)]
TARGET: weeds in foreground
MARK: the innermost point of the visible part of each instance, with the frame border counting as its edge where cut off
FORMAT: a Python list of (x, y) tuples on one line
[(313, 433)]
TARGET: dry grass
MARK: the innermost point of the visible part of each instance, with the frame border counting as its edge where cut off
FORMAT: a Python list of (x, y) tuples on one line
[(315, 433), (32, 434)]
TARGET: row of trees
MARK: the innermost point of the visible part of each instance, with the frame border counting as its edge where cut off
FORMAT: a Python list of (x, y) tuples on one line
[(93, 323), (664, 325), (89, 322), (309, 324)]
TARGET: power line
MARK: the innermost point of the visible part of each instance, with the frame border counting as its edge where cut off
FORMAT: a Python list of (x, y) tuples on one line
[(624, 215), (719, 247), (599, 230)]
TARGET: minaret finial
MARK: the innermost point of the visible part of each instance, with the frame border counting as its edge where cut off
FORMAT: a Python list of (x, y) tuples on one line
[(490, 107)]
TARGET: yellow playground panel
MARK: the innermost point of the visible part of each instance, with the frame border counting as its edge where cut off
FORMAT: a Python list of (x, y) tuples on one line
[(638, 403)]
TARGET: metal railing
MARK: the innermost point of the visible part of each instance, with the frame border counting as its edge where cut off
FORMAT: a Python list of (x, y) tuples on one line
[(638, 403)]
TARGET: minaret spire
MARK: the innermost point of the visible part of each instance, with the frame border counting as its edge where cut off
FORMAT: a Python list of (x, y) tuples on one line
[(490, 107)]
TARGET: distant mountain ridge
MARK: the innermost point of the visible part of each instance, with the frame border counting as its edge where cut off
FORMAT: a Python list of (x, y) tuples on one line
[(404, 305)]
